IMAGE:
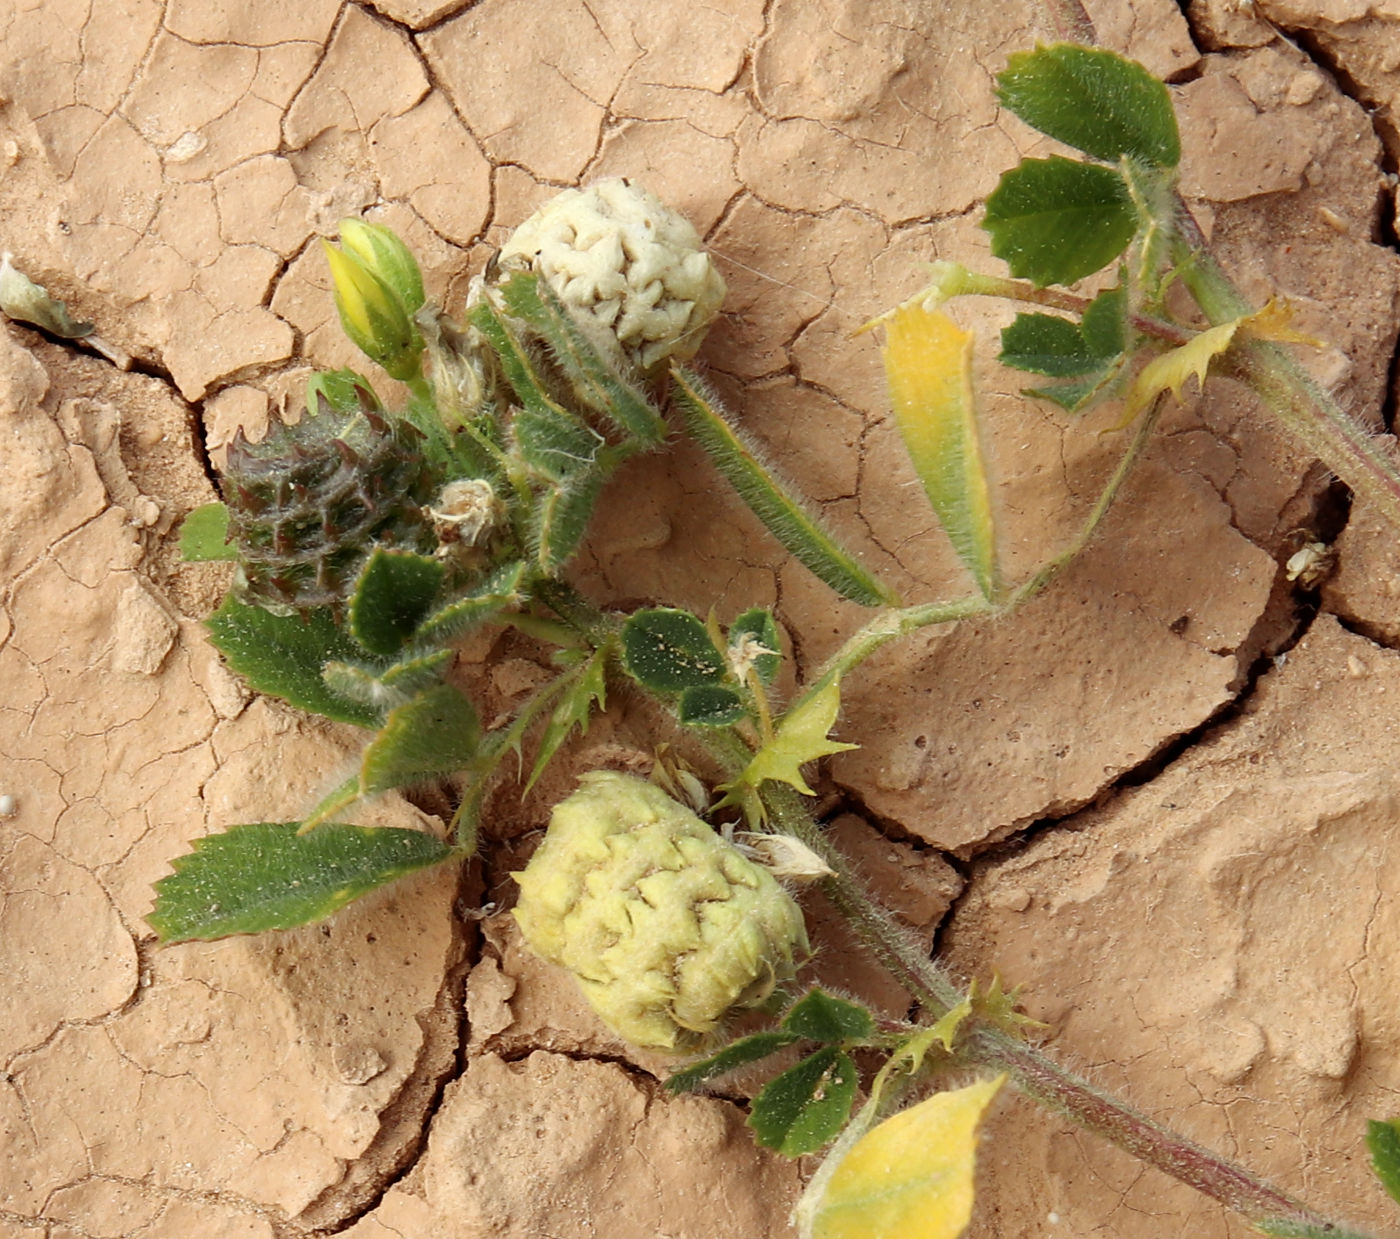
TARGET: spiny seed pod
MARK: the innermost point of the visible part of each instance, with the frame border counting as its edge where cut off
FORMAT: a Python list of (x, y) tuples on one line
[(665, 926), (308, 503), (626, 263)]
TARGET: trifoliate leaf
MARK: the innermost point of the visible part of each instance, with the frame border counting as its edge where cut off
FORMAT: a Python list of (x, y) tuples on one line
[(668, 650), (1095, 101), (801, 737), (266, 875), (1054, 221), (928, 364), (820, 1016), (805, 1107), (204, 535), (282, 655), (912, 1176)]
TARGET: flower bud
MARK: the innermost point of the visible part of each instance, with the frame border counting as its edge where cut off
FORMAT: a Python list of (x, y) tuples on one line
[(665, 926), (373, 315), (627, 265), (383, 254)]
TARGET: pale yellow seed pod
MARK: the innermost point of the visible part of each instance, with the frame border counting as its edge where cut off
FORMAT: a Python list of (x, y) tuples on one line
[(665, 926)]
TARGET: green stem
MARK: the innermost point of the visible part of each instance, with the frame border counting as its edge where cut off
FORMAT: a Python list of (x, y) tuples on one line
[(1347, 448)]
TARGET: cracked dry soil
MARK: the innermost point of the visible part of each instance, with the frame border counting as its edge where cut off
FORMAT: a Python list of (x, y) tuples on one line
[(1162, 797)]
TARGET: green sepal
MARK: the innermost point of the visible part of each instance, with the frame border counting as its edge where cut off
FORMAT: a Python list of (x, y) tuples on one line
[(385, 687), (796, 530), (586, 687), (394, 591), (501, 589), (710, 705), (204, 535), (560, 519), (282, 655), (1383, 1141), (759, 624), (515, 360), (556, 444), (596, 380), (820, 1016), (267, 875), (668, 650), (433, 736), (1093, 100), (737, 1054), (805, 1107), (1055, 221)]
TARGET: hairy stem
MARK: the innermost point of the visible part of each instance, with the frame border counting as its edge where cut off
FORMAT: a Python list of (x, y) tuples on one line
[(1264, 1206)]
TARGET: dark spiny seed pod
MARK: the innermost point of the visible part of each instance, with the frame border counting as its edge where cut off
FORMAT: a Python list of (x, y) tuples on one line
[(308, 503)]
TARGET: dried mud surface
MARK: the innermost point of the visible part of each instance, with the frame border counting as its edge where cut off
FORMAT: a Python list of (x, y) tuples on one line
[(1160, 797)]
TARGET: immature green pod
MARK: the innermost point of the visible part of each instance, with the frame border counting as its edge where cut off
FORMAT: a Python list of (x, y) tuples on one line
[(665, 926)]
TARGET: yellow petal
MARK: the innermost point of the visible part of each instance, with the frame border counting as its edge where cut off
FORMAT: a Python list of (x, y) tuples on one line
[(911, 1177)]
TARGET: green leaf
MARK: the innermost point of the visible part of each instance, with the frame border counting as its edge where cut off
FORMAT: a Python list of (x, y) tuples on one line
[(204, 535), (805, 1107), (432, 736), (759, 626), (386, 687), (393, 594), (498, 591), (282, 655), (586, 687), (1383, 1141), (1105, 323), (912, 1176), (668, 650), (710, 705), (796, 530), (268, 876), (1054, 221), (1046, 344), (595, 379), (928, 364), (801, 737), (560, 519), (1056, 347), (555, 443), (1095, 101), (820, 1016), (737, 1054)]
